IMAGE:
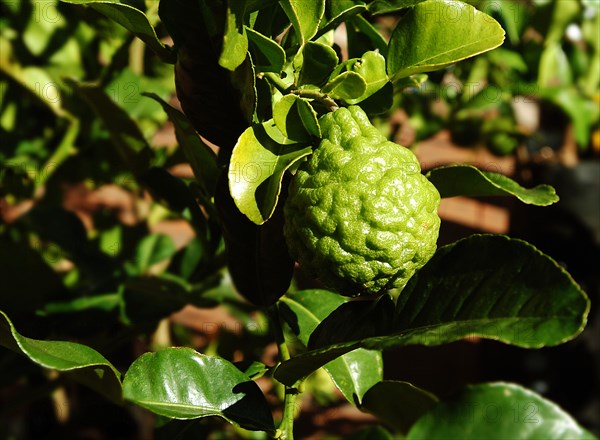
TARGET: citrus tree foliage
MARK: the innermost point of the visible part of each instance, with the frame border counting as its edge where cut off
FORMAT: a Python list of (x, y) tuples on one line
[(295, 170)]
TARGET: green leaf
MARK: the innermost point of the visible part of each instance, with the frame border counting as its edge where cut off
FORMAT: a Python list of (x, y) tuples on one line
[(199, 155), (466, 180), (25, 290), (183, 384), (106, 302), (346, 86), (305, 309), (497, 411), (554, 69), (235, 41), (315, 62), (379, 102), (514, 17), (297, 368), (131, 19), (563, 13), (437, 33), (582, 112), (153, 249), (387, 6), (147, 300), (243, 80), (360, 29), (304, 16), (487, 286), (504, 289), (354, 373), (371, 67), (259, 160), (78, 361), (375, 317), (258, 260), (268, 56), (205, 89), (398, 404), (338, 11), (296, 119), (124, 132)]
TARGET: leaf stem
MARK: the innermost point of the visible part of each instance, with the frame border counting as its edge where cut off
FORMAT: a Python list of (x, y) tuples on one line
[(286, 428)]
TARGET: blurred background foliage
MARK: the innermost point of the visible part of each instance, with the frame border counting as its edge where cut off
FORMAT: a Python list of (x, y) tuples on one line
[(101, 238)]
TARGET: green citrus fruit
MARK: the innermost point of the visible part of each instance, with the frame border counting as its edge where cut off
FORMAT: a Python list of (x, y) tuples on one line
[(360, 216)]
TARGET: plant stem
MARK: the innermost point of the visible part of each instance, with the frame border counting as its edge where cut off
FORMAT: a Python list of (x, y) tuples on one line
[(317, 95), (286, 428), (277, 82)]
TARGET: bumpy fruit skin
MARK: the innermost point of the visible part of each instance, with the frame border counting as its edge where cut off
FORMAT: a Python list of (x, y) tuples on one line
[(360, 216)]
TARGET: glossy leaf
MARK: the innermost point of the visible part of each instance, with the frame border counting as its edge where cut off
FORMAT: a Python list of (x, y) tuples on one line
[(377, 7), (466, 180), (235, 41), (502, 288), (371, 67), (398, 404), (355, 372), (259, 160), (497, 411), (133, 20), (268, 56), (296, 119), (487, 286), (304, 16), (437, 33), (199, 155), (78, 361), (347, 86), (338, 11), (315, 62), (181, 383)]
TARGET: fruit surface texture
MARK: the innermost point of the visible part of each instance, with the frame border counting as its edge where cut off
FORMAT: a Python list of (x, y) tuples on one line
[(360, 216)]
